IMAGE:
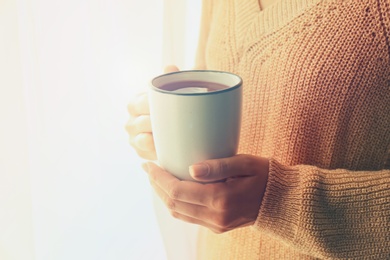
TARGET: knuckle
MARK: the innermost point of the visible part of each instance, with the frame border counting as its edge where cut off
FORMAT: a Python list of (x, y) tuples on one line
[(135, 147), (248, 162), (171, 204), (222, 167), (139, 153), (131, 127), (148, 155), (145, 155), (174, 193), (140, 128), (149, 141), (174, 214), (152, 178), (139, 141), (144, 142), (221, 204), (143, 124)]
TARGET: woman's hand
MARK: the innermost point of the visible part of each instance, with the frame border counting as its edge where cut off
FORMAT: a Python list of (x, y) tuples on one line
[(139, 126), (221, 206)]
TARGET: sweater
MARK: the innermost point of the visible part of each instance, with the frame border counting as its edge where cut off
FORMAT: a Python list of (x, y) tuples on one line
[(316, 102)]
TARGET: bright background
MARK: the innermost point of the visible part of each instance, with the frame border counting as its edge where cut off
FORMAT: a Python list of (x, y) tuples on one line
[(70, 185)]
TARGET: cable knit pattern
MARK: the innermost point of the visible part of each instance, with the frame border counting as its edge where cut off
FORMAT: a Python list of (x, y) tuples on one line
[(317, 103)]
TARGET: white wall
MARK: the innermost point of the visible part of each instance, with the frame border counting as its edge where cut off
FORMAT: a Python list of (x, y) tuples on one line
[(15, 194)]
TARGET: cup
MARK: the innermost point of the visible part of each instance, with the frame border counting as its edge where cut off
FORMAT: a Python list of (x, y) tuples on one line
[(195, 116)]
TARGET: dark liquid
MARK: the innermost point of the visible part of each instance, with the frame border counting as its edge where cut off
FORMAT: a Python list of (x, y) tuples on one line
[(210, 86)]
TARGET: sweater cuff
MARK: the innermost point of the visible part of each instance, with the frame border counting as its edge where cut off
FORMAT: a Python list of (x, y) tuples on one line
[(281, 205)]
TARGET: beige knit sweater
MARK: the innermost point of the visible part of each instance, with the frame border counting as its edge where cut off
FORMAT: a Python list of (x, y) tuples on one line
[(317, 103)]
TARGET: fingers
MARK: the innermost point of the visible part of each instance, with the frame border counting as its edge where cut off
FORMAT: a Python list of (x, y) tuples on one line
[(144, 146), (170, 68), (219, 206), (178, 206), (150, 156), (191, 213), (141, 137), (144, 142), (185, 191), (137, 125), (139, 106), (220, 169)]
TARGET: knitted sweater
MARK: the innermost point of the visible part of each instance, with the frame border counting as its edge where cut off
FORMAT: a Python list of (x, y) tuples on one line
[(317, 103)]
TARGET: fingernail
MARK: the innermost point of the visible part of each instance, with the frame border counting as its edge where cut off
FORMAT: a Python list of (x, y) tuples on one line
[(199, 170), (145, 166)]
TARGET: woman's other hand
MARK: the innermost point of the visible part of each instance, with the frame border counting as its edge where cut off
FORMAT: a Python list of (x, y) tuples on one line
[(139, 126)]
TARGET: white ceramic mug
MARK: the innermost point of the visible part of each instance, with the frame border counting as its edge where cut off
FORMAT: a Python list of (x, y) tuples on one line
[(196, 116)]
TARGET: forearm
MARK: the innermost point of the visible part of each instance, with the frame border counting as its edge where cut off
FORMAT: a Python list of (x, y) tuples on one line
[(328, 213)]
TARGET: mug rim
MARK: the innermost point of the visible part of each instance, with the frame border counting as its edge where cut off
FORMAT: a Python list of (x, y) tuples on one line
[(230, 88)]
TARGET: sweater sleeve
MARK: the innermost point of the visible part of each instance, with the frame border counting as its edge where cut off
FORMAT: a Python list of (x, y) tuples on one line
[(328, 213), (206, 19)]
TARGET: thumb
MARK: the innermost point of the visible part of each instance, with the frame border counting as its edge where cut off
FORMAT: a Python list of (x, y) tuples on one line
[(220, 169), (170, 68)]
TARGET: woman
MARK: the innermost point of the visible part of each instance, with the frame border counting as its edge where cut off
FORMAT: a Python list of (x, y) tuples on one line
[(312, 179)]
